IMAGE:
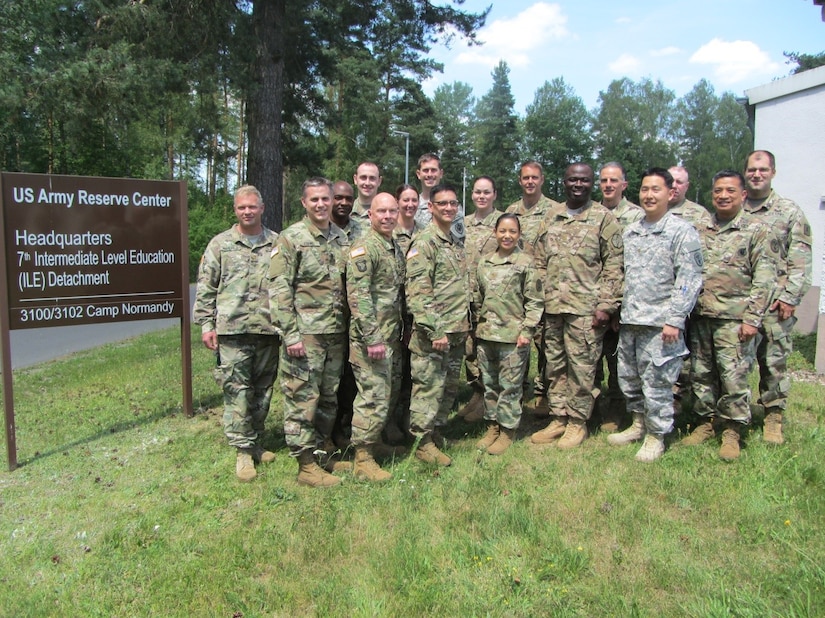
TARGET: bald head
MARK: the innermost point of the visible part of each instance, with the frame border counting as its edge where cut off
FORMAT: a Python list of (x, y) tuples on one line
[(383, 214)]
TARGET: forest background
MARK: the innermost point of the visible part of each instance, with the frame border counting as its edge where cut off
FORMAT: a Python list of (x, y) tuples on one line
[(218, 92)]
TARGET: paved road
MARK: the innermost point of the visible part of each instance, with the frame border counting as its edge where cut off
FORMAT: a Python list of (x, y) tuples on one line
[(29, 347)]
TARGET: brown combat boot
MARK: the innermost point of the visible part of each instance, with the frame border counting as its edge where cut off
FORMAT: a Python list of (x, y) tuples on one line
[(489, 437), (366, 469), (428, 452), (635, 432), (261, 455), (554, 430), (473, 408), (503, 442), (329, 457), (772, 429), (244, 466), (574, 434), (540, 406), (730, 442), (313, 475), (700, 433)]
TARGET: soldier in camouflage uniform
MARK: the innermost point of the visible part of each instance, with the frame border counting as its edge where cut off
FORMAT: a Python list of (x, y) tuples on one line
[(232, 308), (479, 241), (375, 290), (662, 279), (308, 299), (508, 304), (579, 256), (789, 225), (367, 179), (438, 296), (682, 207), (611, 404), (739, 274), (532, 209)]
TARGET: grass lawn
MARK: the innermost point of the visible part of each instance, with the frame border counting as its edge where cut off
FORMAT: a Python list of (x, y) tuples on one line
[(123, 506)]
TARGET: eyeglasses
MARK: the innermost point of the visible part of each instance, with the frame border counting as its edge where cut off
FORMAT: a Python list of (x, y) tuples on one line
[(443, 203)]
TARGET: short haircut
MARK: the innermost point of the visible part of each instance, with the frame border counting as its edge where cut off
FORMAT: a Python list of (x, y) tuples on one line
[(531, 163), (368, 163), (661, 173), (617, 165), (730, 174), (442, 188), (488, 179), (404, 187), (429, 156), (509, 215), (315, 181), (248, 190), (767, 153)]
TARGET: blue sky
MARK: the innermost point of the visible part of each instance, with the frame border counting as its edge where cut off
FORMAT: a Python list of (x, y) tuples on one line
[(735, 44)]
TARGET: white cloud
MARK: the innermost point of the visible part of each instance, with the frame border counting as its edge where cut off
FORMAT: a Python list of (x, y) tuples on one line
[(665, 51), (625, 64), (515, 39), (735, 61)]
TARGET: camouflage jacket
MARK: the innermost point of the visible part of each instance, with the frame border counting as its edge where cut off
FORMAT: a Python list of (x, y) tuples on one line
[(232, 295), (437, 285), (404, 238), (360, 211), (307, 281), (692, 213), (662, 272), (739, 271), (579, 258), (508, 299), (355, 228), (375, 289), (790, 227), (423, 217), (531, 220), (480, 240), (627, 212)]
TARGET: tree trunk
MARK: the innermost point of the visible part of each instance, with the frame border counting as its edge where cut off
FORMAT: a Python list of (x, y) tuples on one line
[(265, 164)]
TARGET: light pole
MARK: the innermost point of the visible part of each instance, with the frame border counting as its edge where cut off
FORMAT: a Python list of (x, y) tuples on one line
[(406, 155)]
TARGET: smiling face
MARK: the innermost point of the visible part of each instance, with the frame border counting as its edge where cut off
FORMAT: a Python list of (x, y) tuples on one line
[(367, 179), (681, 183), (578, 185), (728, 197), (613, 185), (249, 210), (483, 196), (317, 201), (342, 201), (444, 207), (653, 197), (508, 232), (408, 206), (384, 214), (531, 179), (429, 173), (759, 175)]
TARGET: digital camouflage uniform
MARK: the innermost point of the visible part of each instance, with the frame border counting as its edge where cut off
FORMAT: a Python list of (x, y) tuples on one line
[(739, 276), (531, 220), (579, 258), (438, 296), (232, 300), (626, 212), (662, 279), (308, 301), (375, 288), (790, 227), (480, 240), (508, 302)]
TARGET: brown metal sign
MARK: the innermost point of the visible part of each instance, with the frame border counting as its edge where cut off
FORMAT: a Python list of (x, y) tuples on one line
[(91, 250)]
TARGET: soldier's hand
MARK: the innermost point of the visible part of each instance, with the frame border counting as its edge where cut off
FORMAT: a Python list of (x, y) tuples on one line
[(210, 340), (522, 341), (747, 332), (377, 352), (670, 334), (600, 319), (296, 350), (785, 310), (442, 345)]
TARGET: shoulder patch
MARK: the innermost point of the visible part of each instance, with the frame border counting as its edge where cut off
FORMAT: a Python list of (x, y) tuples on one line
[(616, 240), (358, 251), (412, 252), (697, 257), (774, 245), (361, 265), (806, 230)]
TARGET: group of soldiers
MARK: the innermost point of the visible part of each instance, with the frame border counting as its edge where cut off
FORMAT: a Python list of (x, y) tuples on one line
[(382, 292)]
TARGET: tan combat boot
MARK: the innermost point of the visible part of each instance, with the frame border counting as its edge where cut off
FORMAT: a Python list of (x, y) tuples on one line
[(772, 430), (574, 434), (473, 408), (540, 406), (329, 457), (366, 469), (261, 455), (503, 442), (554, 430), (428, 452), (489, 437), (700, 433), (244, 466), (313, 475), (730, 442), (635, 432), (652, 448)]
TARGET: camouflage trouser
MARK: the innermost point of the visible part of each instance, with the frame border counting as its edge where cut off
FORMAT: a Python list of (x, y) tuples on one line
[(310, 385), (471, 363), (502, 370), (378, 384), (648, 369), (572, 348), (719, 369), (248, 365), (540, 381), (775, 344), (435, 381), (610, 345)]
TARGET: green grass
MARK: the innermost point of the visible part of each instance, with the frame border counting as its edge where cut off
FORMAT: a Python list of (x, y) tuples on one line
[(123, 506)]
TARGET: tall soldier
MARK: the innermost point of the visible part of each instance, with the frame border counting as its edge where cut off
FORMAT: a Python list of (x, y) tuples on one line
[(793, 233), (232, 308), (307, 290)]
